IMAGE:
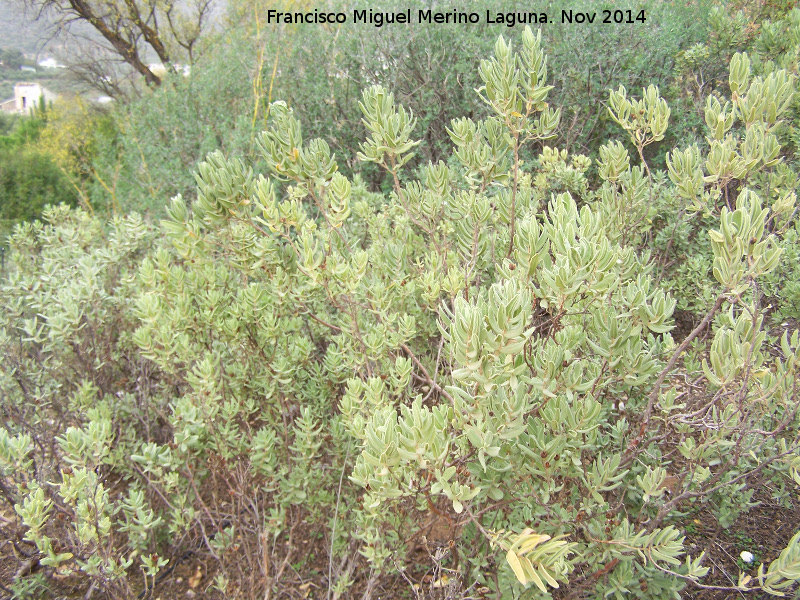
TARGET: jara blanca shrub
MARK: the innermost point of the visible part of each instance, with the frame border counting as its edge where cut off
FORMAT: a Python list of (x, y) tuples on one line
[(467, 386)]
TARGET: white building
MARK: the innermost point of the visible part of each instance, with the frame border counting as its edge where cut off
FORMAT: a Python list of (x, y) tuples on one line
[(26, 98), (157, 69), (160, 70), (50, 63)]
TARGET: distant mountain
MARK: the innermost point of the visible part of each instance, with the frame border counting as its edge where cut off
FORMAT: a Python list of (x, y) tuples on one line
[(19, 31)]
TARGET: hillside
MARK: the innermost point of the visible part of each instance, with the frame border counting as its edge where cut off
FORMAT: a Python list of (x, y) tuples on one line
[(20, 31)]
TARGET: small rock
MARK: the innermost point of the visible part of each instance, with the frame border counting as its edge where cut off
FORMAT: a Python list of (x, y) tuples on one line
[(195, 579)]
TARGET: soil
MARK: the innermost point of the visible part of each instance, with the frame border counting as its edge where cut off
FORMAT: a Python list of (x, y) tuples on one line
[(685, 322), (764, 531)]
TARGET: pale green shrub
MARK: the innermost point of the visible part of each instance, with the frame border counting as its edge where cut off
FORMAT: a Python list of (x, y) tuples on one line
[(474, 352)]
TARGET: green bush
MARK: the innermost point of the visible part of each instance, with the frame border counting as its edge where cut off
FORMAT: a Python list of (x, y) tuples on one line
[(431, 69), (29, 178), (682, 240), (145, 151), (29, 181), (475, 367)]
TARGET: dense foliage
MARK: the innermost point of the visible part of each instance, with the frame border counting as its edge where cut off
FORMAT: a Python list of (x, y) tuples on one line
[(432, 70), (467, 384), (29, 178)]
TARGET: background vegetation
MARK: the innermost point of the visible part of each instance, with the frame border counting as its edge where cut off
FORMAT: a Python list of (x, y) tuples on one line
[(411, 312)]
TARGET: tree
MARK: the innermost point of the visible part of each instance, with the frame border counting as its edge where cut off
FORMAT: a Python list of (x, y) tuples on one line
[(11, 58), (131, 33)]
